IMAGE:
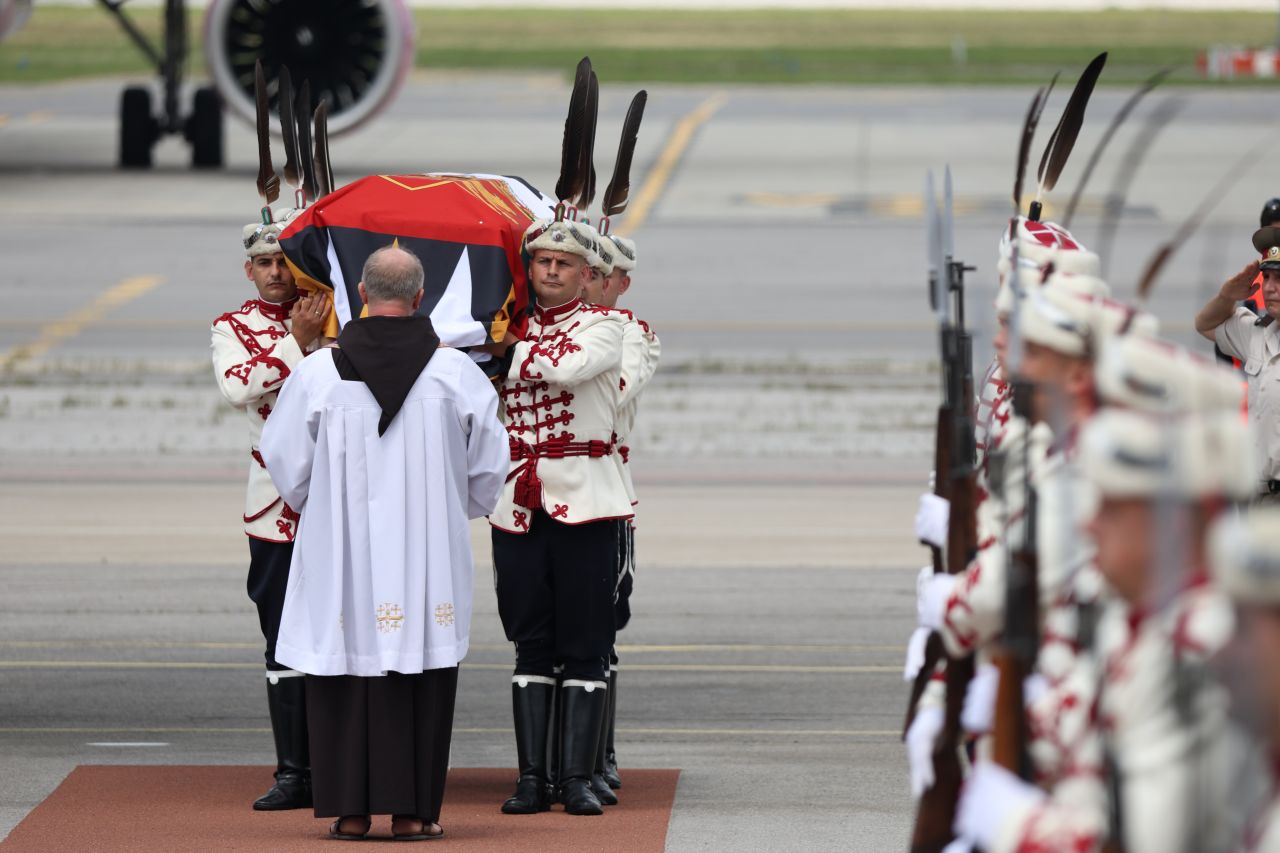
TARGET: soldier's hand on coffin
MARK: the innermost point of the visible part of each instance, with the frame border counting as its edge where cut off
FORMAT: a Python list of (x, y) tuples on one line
[(499, 348), (921, 738), (308, 316), (1243, 284), (932, 519)]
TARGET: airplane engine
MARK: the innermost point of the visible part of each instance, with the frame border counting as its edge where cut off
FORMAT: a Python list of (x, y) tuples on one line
[(355, 53)]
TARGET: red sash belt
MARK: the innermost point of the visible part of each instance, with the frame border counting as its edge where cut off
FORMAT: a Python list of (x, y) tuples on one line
[(528, 488)]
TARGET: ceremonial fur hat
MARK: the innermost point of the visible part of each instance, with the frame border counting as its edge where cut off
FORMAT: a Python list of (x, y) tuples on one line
[(1267, 241), (263, 238), (1245, 555), (1043, 243), (561, 235), (624, 252), (1159, 377), (1132, 454), (604, 250), (1078, 324), (1033, 279)]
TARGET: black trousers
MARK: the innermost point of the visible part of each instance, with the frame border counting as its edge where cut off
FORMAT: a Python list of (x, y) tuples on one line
[(268, 578), (626, 574), (555, 595), (381, 745)]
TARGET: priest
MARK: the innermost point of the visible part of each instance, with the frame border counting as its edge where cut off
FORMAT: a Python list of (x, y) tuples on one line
[(387, 444)]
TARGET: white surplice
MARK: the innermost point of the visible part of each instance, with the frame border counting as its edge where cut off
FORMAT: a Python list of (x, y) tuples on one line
[(381, 579)]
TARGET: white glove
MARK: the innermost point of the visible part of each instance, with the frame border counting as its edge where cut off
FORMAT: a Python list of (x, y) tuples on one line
[(980, 700), (960, 845), (932, 518), (915, 654), (988, 798), (1034, 688), (932, 592), (921, 738)]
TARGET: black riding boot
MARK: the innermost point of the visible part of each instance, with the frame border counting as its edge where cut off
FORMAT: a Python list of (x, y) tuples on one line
[(531, 707), (610, 757), (582, 715), (287, 699), (599, 784)]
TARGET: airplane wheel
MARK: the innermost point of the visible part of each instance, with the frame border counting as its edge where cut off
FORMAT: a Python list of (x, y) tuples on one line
[(138, 129), (204, 129)]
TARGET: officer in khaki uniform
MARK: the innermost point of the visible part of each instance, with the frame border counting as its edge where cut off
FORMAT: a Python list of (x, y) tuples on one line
[(1255, 341)]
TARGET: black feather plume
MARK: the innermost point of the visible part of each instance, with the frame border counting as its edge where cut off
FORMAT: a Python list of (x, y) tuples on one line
[(1068, 129), (268, 181), (571, 181), (324, 169), (1117, 120), (1184, 232), (288, 129), (302, 112), (587, 164), (1024, 141), (615, 195)]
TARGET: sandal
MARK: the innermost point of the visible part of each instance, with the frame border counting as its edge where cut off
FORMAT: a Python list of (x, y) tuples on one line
[(336, 830), (413, 828)]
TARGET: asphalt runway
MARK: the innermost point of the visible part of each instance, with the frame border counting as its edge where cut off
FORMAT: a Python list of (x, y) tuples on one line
[(786, 437)]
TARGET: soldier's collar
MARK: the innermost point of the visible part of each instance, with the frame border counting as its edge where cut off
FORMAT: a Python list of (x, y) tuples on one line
[(276, 310), (547, 316)]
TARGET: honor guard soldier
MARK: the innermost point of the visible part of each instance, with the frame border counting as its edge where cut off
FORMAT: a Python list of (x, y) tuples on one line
[(1245, 555), (641, 350), (254, 349), (1255, 341), (555, 531), (1159, 776)]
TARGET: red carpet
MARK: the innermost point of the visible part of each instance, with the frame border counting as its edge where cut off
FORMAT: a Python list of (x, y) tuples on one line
[(115, 808)]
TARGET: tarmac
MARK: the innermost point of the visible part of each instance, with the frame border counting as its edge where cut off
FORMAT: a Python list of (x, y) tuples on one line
[(778, 456)]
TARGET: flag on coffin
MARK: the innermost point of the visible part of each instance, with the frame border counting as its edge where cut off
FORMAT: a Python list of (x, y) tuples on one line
[(466, 230)]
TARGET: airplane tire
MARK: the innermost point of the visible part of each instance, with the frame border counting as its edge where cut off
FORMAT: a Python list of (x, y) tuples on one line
[(204, 129), (137, 128)]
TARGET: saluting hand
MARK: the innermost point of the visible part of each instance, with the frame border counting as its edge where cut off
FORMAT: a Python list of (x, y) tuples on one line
[(1243, 284), (308, 316)]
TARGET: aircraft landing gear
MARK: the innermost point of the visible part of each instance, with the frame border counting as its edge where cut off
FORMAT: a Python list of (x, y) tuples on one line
[(140, 127)]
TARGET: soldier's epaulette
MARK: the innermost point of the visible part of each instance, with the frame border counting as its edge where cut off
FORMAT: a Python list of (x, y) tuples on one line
[(602, 309), (244, 309)]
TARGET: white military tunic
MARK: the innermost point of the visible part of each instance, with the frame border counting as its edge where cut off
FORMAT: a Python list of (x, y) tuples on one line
[(1178, 761), (560, 405), (641, 350), (382, 568), (253, 354)]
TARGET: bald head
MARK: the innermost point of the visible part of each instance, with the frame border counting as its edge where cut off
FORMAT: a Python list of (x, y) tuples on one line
[(392, 275)]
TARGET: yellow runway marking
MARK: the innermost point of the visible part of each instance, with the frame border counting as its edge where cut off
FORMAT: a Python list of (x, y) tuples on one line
[(4, 119), (468, 730), (634, 667), (54, 333), (656, 182)]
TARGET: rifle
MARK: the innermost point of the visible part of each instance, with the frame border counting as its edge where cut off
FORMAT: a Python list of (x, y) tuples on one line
[(954, 479), (1020, 644)]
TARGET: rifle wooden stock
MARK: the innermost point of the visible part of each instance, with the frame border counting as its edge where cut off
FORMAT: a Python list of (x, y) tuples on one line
[(1009, 733)]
